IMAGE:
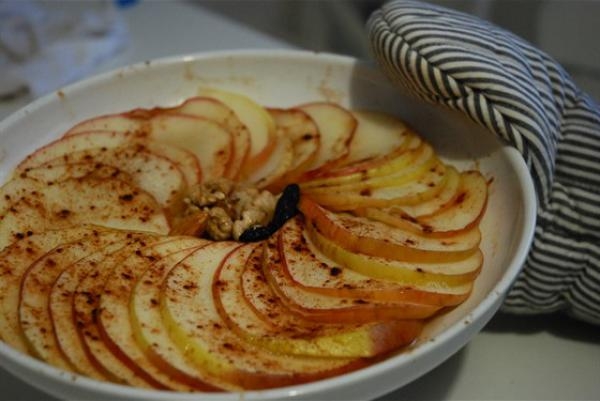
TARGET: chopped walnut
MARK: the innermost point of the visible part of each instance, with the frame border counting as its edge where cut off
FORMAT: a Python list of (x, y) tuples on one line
[(231, 208), (210, 192), (219, 225)]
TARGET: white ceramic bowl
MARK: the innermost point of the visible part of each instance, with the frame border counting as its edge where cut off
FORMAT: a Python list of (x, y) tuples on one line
[(285, 78)]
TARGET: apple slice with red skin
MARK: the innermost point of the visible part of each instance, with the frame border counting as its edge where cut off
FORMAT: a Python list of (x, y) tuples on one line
[(175, 125), (218, 112), (305, 267), (147, 172), (37, 281), (115, 320), (35, 179), (62, 313), (463, 212), (416, 186), (336, 126), (406, 216), (189, 311), (466, 209), (187, 163), (202, 107), (359, 171), (404, 169), (283, 332), (277, 165), (14, 261), (152, 173), (419, 177), (395, 160), (306, 141), (376, 134), (102, 201), (362, 235), (87, 311), (256, 119), (209, 141), (152, 335), (334, 309), (442, 274), (74, 143)]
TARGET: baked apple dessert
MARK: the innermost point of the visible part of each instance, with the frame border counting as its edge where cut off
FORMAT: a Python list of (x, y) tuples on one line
[(221, 245)]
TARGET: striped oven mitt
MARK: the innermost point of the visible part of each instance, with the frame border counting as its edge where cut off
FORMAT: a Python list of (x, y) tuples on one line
[(527, 99)]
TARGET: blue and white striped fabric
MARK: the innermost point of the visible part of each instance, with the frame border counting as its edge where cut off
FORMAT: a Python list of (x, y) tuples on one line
[(526, 98)]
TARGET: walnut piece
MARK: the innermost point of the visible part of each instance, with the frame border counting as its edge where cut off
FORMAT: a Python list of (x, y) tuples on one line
[(219, 225), (231, 208)]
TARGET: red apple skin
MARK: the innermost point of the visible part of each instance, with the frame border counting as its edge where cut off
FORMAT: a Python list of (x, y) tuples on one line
[(293, 249), (368, 245), (340, 310), (252, 309), (333, 155)]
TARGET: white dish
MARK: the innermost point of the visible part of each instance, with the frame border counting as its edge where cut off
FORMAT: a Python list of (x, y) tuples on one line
[(285, 78)]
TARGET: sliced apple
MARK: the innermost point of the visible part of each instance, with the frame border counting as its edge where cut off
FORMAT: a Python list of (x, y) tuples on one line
[(256, 119), (154, 174), (209, 141), (306, 140), (388, 237), (398, 171), (376, 134), (362, 235), (141, 122), (65, 146), (406, 216), (152, 335), (279, 163), (14, 261), (105, 140), (23, 185), (465, 210), (186, 161), (414, 187), (336, 126), (283, 332), (87, 311), (407, 166), (51, 174), (216, 111), (303, 265), (462, 212), (109, 123), (37, 281), (398, 160), (63, 316), (334, 309), (197, 328), (449, 273), (102, 201), (115, 321)]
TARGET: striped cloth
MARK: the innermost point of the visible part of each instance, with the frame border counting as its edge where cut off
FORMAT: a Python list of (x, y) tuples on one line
[(527, 99)]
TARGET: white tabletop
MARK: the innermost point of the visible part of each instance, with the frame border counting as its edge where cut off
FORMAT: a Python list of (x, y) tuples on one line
[(513, 358)]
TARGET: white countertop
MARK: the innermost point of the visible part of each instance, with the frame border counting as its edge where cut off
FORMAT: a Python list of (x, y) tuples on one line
[(513, 358)]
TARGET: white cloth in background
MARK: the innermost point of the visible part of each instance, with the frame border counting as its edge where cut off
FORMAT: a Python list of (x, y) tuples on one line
[(46, 45)]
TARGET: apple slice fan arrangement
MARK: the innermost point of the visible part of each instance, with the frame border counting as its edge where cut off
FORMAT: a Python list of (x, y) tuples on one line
[(220, 245)]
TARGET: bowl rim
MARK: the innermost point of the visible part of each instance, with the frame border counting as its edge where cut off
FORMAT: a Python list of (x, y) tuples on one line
[(478, 316)]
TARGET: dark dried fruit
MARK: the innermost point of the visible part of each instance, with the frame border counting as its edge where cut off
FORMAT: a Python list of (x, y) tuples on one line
[(286, 208)]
